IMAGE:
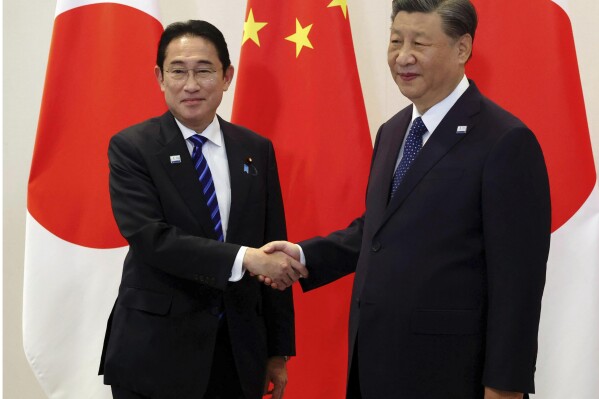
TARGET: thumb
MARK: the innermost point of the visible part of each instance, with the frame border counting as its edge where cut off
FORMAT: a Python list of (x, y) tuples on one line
[(271, 247)]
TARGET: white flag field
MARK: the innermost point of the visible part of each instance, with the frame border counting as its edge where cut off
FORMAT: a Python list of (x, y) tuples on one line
[(99, 80)]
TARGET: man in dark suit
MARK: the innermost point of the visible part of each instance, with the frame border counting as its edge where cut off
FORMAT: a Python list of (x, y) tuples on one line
[(194, 195), (450, 254)]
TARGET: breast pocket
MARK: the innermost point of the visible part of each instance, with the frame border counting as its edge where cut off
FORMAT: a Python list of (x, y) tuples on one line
[(146, 301)]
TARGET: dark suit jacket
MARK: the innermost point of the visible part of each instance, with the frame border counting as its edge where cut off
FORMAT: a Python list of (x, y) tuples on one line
[(162, 330), (450, 272)]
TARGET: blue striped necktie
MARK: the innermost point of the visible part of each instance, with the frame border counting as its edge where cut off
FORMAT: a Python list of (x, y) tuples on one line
[(205, 178), (410, 151)]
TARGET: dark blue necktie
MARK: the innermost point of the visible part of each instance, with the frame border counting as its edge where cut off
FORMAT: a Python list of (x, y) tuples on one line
[(205, 177), (410, 151)]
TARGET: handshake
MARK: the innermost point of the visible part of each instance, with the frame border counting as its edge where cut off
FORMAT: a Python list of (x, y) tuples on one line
[(276, 264)]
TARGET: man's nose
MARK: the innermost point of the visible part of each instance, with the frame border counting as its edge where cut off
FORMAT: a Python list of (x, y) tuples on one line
[(405, 56), (191, 83)]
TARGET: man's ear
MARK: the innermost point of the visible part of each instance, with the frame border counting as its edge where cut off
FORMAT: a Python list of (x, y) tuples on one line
[(228, 76), (465, 48), (159, 77)]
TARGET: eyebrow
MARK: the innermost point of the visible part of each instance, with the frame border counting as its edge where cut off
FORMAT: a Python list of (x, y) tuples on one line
[(199, 62), (417, 34)]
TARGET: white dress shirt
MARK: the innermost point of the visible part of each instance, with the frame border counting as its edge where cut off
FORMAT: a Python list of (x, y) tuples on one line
[(216, 156), (433, 117)]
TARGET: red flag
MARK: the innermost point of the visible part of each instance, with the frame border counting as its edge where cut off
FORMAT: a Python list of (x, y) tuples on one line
[(99, 80), (525, 59), (298, 85)]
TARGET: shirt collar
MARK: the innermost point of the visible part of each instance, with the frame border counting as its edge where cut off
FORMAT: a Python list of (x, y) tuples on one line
[(433, 117), (212, 132)]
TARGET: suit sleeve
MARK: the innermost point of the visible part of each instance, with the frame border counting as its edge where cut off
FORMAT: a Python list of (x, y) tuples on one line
[(516, 227), (139, 214), (335, 256), (277, 305)]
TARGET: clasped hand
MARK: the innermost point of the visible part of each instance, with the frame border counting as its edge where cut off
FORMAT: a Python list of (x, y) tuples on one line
[(276, 264)]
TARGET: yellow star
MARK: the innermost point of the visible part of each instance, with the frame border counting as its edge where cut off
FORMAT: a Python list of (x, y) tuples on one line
[(251, 28), (340, 3), (300, 37)]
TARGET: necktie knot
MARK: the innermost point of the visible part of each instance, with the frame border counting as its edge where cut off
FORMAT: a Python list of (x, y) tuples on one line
[(418, 127), (198, 140)]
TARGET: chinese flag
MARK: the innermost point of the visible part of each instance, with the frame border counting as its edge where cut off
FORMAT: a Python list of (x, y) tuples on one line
[(99, 80), (298, 85), (525, 59)]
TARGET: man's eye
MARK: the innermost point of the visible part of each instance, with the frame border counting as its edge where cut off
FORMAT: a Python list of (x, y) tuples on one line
[(178, 71)]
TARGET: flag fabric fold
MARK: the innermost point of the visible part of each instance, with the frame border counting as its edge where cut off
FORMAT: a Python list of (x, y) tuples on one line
[(298, 84), (526, 61), (99, 80)]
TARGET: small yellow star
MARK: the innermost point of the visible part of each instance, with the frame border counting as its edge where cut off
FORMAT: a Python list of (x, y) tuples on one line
[(251, 29), (340, 3), (300, 37)]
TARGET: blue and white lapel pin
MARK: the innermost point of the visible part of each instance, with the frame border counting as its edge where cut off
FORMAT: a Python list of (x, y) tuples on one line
[(249, 168)]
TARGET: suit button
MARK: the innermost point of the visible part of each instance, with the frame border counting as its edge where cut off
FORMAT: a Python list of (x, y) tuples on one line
[(376, 246)]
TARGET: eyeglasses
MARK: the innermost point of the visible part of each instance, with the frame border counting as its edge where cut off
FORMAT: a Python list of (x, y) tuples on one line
[(200, 75)]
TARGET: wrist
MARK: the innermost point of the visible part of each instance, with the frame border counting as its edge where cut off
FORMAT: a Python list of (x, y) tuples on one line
[(248, 258)]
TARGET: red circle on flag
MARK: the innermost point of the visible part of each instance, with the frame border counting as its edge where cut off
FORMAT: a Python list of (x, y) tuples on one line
[(525, 60), (99, 80)]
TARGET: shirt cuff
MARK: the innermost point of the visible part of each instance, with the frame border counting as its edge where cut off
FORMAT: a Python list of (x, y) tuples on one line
[(238, 271), (302, 256)]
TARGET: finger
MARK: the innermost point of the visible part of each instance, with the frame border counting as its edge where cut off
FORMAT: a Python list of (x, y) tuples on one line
[(268, 248), (273, 246), (275, 286), (293, 275), (289, 249), (261, 278), (300, 269), (284, 281), (277, 392), (267, 280)]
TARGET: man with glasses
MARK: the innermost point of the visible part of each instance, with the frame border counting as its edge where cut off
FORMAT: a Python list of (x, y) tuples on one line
[(195, 196)]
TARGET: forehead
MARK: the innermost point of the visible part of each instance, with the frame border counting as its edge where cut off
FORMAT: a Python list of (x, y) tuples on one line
[(191, 49), (417, 23)]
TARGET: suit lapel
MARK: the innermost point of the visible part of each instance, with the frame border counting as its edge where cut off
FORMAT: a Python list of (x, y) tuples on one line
[(183, 174), (390, 139), (237, 155), (398, 128), (445, 136)]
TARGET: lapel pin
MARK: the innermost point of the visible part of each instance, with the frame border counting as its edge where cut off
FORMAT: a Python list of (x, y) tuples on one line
[(461, 129), (175, 158), (249, 168)]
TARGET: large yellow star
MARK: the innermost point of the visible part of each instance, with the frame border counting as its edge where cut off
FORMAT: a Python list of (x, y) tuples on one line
[(340, 3), (300, 37), (251, 29)]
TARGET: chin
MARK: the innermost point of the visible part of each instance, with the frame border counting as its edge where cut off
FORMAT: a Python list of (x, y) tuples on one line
[(408, 92)]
